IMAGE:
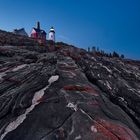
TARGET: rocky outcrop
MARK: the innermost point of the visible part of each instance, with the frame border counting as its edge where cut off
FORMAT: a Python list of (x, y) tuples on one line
[(68, 95), (15, 39)]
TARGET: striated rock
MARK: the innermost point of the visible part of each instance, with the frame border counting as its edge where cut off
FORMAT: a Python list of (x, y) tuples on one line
[(68, 95)]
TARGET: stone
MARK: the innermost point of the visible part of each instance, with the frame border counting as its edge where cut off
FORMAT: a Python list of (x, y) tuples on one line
[(68, 94)]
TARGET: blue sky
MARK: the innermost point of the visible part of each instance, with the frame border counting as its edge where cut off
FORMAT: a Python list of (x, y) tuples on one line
[(107, 24)]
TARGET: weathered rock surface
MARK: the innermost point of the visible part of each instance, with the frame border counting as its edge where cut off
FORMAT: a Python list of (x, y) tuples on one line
[(9, 38), (68, 95)]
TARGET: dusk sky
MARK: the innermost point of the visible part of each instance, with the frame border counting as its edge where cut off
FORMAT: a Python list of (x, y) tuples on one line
[(107, 24)]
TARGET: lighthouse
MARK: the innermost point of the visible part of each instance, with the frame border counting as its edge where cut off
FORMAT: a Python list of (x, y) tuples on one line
[(52, 34)]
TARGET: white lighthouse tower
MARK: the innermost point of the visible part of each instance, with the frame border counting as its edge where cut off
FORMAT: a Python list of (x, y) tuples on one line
[(52, 34)]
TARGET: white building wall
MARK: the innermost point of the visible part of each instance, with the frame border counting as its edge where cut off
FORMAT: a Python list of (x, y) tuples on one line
[(52, 36)]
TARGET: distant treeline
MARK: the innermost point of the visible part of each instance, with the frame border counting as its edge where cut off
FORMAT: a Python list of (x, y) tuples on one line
[(98, 52)]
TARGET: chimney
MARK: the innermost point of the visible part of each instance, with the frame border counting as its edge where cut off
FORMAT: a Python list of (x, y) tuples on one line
[(38, 25)]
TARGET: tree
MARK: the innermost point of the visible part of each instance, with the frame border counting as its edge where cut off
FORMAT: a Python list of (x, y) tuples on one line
[(97, 49), (122, 56), (88, 49), (110, 55), (93, 49), (115, 54)]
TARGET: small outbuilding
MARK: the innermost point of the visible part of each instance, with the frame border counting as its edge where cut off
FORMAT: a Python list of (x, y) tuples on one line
[(20, 32)]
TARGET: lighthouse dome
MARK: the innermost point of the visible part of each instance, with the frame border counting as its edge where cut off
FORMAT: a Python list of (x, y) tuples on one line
[(52, 30)]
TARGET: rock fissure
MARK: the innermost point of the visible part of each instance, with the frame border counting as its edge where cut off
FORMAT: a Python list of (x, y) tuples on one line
[(67, 118)]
